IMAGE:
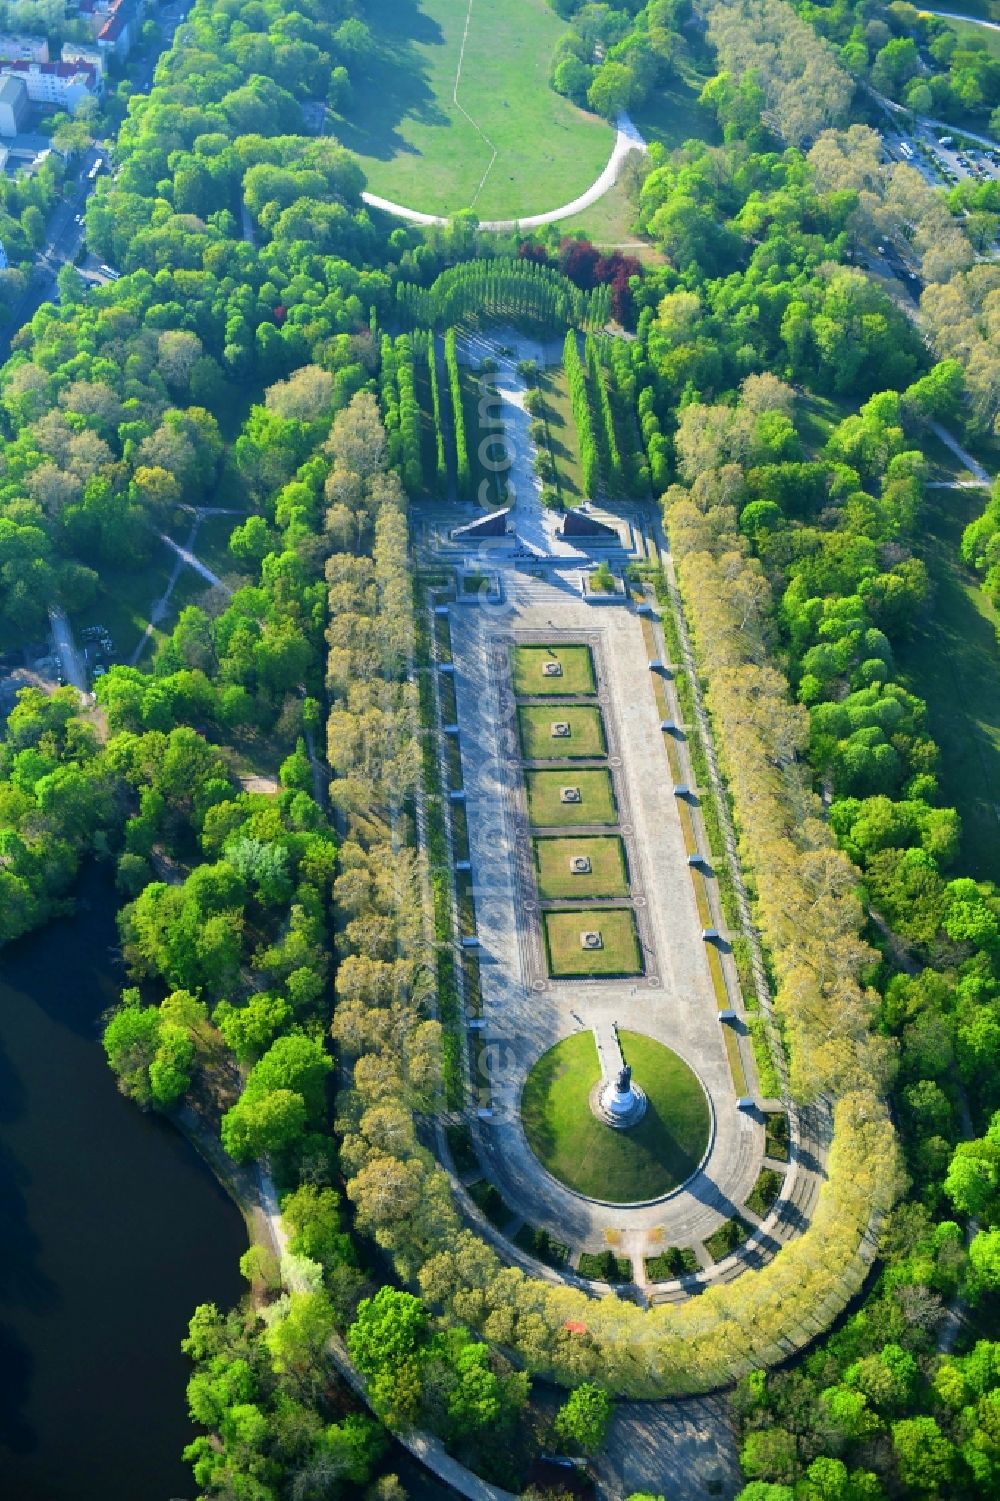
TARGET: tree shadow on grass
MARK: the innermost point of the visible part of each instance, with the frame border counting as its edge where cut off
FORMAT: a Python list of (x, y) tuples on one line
[(393, 86)]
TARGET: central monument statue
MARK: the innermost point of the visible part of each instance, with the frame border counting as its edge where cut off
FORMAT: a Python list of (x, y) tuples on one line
[(618, 1101)]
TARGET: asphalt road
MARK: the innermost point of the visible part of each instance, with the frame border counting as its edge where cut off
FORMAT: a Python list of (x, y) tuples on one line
[(74, 670)]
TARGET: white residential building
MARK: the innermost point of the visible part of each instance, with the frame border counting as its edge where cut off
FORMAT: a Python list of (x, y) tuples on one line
[(65, 85)]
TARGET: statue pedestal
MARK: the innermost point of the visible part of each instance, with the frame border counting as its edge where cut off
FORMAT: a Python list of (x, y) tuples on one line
[(618, 1108)]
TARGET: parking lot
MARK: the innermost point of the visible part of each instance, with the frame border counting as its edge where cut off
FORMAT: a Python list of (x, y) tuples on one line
[(943, 164)]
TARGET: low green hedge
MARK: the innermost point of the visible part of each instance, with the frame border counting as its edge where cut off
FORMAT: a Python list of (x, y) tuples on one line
[(728, 1238), (605, 1266), (541, 1244), (673, 1261)]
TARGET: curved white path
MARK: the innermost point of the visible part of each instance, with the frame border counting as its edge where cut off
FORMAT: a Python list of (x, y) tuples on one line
[(628, 139), (953, 15)]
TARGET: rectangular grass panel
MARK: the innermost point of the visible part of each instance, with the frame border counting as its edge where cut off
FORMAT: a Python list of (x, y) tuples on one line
[(577, 676), (585, 739), (547, 810), (619, 954), (556, 878)]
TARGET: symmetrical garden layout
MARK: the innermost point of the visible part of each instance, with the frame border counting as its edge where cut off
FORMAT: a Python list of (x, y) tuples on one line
[(561, 731), (591, 935)]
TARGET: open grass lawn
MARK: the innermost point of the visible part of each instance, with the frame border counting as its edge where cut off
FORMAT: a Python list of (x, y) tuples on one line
[(538, 743), (969, 33), (652, 1158), (416, 146), (988, 10), (558, 414), (951, 660), (619, 953), (547, 810), (577, 674), (607, 876), (612, 219)]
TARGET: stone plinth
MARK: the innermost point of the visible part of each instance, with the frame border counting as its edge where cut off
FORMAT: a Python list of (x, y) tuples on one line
[(617, 1108)]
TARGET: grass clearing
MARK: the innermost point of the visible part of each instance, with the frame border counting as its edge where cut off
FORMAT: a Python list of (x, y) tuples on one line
[(418, 148), (619, 953), (211, 547), (563, 441), (576, 677), (540, 742), (127, 595), (547, 810), (611, 220), (607, 876), (817, 416), (650, 1159), (672, 114), (951, 660)]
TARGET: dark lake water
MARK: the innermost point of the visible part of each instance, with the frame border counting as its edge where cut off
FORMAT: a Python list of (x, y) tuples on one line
[(111, 1231)]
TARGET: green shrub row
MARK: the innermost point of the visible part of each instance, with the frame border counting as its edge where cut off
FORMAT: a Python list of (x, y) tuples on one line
[(409, 417), (440, 462), (576, 381), (613, 470), (463, 474), (767, 1074)]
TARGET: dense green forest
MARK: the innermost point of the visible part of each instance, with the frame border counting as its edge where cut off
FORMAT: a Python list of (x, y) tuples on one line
[(271, 342)]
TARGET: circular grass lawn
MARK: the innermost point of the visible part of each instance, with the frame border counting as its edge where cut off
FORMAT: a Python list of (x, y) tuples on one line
[(622, 1167)]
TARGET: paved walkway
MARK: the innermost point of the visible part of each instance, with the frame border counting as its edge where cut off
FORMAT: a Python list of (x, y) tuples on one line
[(627, 140), (188, 557), (185, 557), (524, 1011), (685, 1451), (423, 1446), (974, 467), (502, 410)]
